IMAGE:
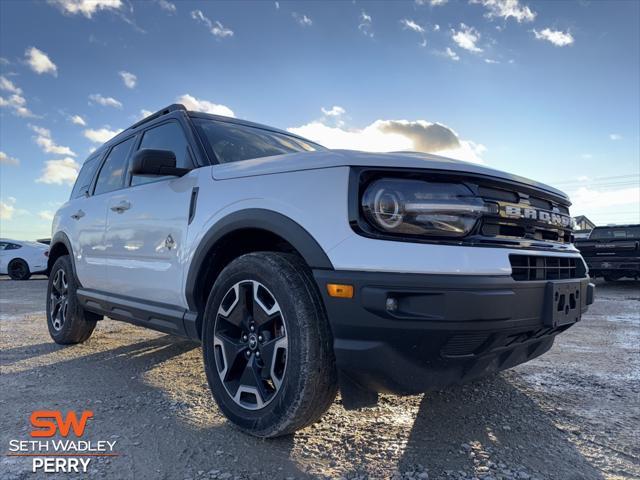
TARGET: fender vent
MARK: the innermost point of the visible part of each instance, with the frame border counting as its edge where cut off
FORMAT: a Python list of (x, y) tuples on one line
[(533, 267)]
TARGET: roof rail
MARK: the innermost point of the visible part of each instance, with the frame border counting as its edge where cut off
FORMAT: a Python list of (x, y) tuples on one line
[(171, 108)]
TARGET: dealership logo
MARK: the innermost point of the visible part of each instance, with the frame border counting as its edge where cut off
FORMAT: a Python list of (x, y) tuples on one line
[(545, 216), (43, 421), (57, 443)]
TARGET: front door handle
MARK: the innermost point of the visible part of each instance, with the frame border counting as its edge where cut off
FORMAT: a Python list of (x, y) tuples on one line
[(78, 215), (121, 207)]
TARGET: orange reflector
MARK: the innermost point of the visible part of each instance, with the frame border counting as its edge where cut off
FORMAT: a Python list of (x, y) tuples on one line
[(340, 291)]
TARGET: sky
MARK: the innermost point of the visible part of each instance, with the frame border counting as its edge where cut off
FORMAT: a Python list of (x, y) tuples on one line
[(547, 90)]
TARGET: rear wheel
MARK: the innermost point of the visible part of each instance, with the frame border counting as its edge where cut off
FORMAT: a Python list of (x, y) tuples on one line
[(18, 269), (67, 321), (267, 347)]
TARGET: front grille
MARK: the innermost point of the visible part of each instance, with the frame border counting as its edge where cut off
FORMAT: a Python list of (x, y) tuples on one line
[(502, 226), (533, 267), (509, 229)]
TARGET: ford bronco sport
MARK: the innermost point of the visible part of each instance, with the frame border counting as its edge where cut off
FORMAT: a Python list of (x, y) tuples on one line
[(303, 270)]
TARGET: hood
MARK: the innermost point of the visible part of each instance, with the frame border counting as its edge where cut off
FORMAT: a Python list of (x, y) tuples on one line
[(346, 158)]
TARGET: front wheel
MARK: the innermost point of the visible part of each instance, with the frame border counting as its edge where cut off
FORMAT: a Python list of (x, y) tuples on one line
[(67, 321), (267, 347)]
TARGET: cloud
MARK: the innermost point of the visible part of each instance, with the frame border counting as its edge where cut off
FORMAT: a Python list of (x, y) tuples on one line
[(85, 7), (615, 136), (167, 6), (100, 135), (394, 135), (215, 27), (277, 5), (46, 215), (433, 3), (556, 37), (44, 140), (18, 104), (586, 198), (302, 20), (59, 172), (128, 78), (491, 61), (7, 208), (144, 113), (7, 160), (366, 24), (466, 38), (193, 103), (8, 86), (40, 62), (78, 120), (409, 24), (451, 54), (104, 101), (334, 111), (507, 9), (15, 101)]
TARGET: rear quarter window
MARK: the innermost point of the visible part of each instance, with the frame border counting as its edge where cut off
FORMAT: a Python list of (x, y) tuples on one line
[(83, 182)]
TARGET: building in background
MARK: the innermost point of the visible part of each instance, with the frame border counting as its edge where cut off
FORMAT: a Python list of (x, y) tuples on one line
[(583, 226)]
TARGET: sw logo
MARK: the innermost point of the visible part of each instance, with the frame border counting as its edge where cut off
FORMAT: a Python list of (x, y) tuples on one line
[(61, 454), (51, 421)]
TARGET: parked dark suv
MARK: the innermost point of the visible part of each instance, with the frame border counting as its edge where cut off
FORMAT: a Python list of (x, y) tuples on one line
[(612, 252)]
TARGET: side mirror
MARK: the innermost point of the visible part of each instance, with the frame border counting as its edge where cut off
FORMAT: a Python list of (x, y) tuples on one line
[(155, 162)]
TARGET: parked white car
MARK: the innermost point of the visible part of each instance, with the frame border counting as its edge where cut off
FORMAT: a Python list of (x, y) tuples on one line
[(303, 270), (20, 259)]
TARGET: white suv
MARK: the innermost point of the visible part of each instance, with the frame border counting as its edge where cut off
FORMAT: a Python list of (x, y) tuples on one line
[(303, 270)]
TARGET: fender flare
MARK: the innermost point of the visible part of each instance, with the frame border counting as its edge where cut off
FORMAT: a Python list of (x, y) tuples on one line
[(61, 238), (262, 219)]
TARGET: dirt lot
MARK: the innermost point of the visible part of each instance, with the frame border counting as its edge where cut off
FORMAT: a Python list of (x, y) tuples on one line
[(574, 413)]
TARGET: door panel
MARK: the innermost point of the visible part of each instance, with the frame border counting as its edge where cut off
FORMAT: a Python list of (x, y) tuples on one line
[(86, 221), (145, 240)]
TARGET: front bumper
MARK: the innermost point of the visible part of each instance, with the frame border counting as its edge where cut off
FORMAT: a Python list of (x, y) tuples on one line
[(440, 330), (599, 266)]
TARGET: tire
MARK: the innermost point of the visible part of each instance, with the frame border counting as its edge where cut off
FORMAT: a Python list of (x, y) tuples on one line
[(67, 321), (281, 376), (18, 269)]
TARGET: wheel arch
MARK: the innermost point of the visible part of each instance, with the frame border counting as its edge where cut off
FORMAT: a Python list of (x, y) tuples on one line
[(243, 232), (61, 245)]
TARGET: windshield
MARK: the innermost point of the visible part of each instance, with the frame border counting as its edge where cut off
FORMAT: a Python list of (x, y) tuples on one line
[(615, 233), (232, 142)]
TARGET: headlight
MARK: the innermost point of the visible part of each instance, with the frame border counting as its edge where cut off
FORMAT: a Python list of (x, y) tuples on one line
[(418, 208)]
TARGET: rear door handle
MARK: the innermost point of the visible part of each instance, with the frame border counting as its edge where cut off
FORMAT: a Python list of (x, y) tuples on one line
[(78, 215), (121, 207)]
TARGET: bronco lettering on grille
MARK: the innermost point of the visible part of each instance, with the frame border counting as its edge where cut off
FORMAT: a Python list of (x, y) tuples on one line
[(545, 216)]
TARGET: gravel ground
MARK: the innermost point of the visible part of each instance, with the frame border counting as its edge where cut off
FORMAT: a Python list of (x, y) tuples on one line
[(573, 413)]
